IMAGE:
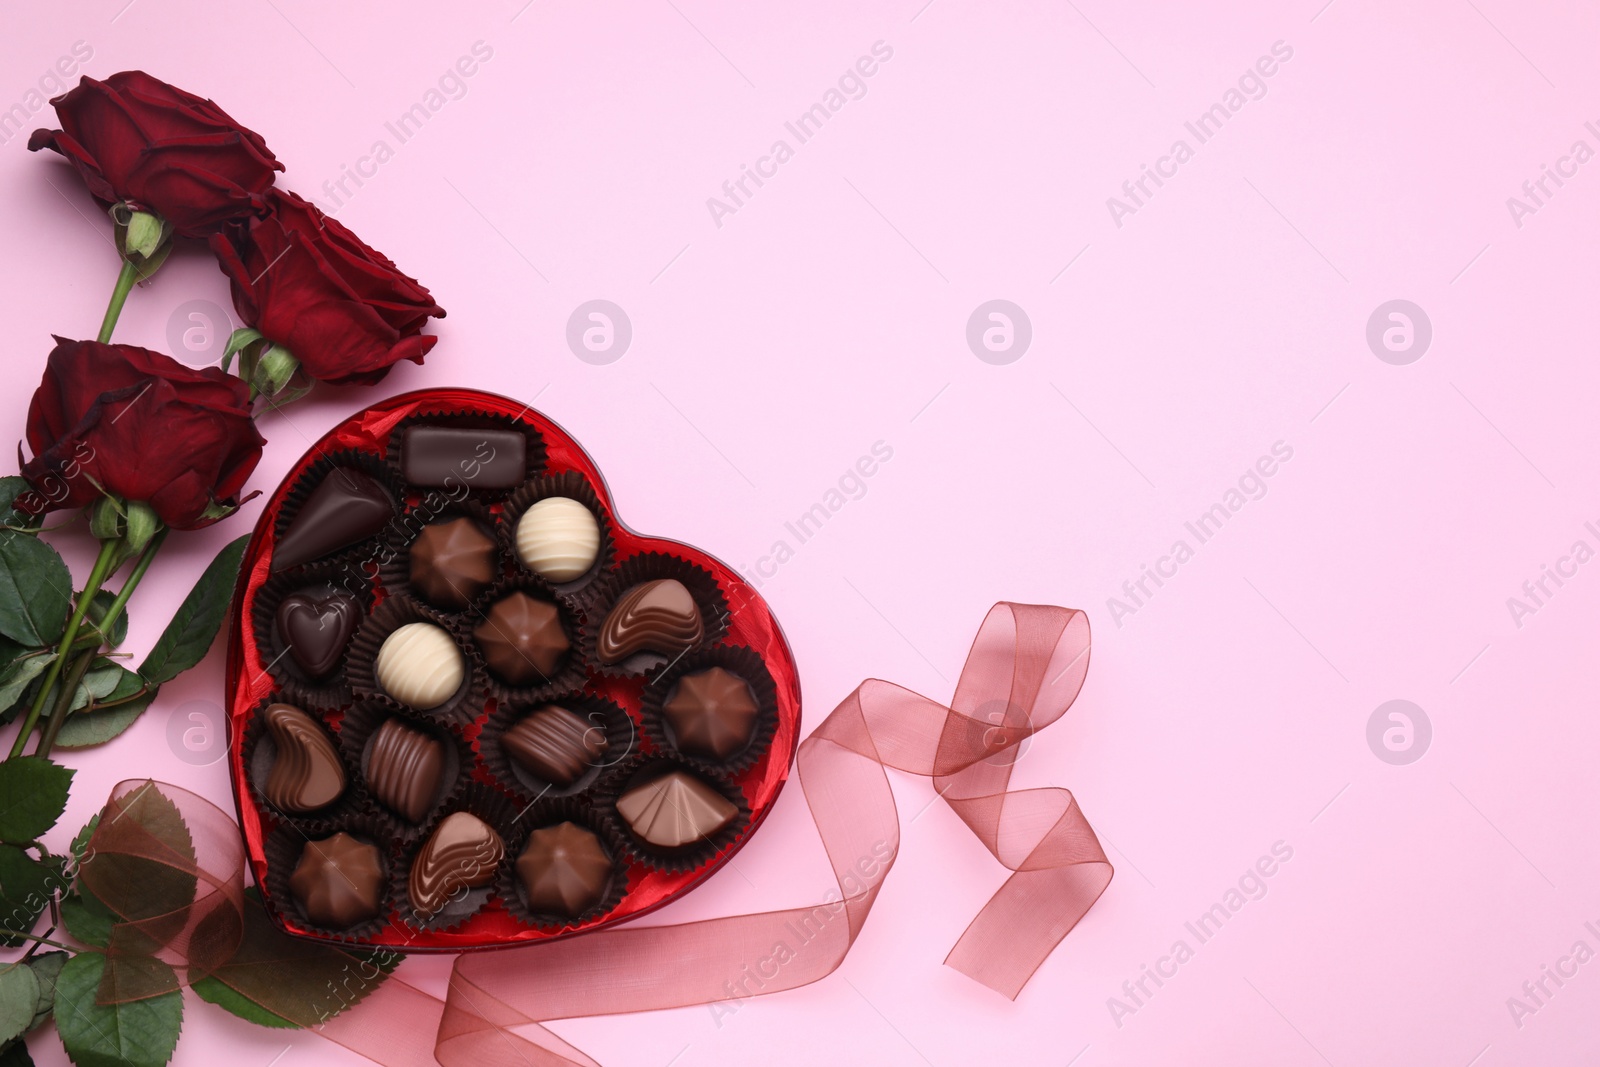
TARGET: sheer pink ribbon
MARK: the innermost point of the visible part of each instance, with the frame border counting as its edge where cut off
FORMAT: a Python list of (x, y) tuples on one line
[(1025, 668)]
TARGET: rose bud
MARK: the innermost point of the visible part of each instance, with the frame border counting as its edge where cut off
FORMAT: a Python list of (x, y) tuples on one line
[(135, 139), (139, 426), (309, 285)]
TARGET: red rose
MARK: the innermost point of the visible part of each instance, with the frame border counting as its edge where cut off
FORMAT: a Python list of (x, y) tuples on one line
[(136, 138), (307, 283), (141, 426)]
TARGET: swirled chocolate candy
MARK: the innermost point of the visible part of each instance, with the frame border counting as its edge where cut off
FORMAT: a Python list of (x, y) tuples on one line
[(675, 809), (419, 664), (564, 869), (522, 639), (452, 562), (555, 744), (461, 854), (712, 713), (339, 881), (306, 773), (405, 768), (317, 628), (347, 506), (558, 538), (452, 455), (659, 616)]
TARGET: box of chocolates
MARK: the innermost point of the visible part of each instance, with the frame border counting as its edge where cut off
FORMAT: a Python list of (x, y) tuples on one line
[(468, 707)]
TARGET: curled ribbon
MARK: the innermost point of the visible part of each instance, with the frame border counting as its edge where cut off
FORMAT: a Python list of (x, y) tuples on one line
[(1026, 666)]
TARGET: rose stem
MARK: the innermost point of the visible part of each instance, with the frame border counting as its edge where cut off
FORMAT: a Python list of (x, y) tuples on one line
[(119, 296), (69, 689), (102, 567), (32, 937)]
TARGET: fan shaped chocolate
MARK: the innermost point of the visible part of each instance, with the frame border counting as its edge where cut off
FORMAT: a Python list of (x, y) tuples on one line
[(452, 562), (675, 810), (306, 773), (522, 640), (659, 616), (405, 767), (345, 508), (317, 627), (555, 744), (339, 881), (564, 870), (462, 853), (712, 713)]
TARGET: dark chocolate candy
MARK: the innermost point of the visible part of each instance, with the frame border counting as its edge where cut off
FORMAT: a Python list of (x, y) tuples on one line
[(339, 881), (555, 744), (452, 562), (675, 809), (405, 767), (306, 773), (461, 854), (659, 616), (347, 506), (712, 713), (317, 628), (451, 456), (564, 869), (522, 639)]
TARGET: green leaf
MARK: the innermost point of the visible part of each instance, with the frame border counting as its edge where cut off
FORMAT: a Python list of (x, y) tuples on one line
[(15, 1055), (80, 841), (35, 590), (98, 725), (15, 682), (19, 994), (137, 1033), (90, 635), (86, 919), (27, 886), (143, 890), (11, 487), (199, 617), (33, 794), (46, 966)]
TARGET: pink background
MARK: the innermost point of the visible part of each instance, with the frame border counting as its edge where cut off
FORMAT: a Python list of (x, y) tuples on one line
[(1168, 353)]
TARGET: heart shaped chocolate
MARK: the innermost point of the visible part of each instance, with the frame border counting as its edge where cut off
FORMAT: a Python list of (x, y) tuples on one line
[(625, 708)]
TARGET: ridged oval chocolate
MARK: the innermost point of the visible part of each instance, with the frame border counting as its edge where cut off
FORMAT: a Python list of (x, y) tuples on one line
[(555, 744), (404, 768), (659, 616), (461, 854), (306, 773)]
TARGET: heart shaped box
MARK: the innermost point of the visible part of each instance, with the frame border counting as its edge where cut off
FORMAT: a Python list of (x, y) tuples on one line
[(750, 624)]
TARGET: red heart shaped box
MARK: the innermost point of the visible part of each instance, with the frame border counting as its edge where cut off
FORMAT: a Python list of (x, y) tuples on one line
[(750, 624)]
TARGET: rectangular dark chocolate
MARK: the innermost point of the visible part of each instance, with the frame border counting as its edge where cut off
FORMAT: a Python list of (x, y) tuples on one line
[(452, 455)]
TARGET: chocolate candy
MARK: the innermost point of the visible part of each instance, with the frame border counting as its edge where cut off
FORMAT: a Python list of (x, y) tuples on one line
[(306, 773), (346, 507), (452, 562), (659, 616), (461, 854), (522, 639), (405, 767), (675, 809), (558, 539), (339, 881), (712, 713), (419, 664), (317, 628), (564, 869), (555, 744), (451, 456)]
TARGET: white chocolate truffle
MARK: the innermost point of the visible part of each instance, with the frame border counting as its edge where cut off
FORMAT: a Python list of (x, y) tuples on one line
[(419, 664), (558, 539)]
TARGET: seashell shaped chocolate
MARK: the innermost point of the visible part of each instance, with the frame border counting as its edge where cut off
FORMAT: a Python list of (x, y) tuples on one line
[(461, 854), (659, 616)]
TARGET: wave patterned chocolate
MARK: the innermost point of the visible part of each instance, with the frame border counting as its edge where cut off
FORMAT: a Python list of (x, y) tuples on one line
[(659, 616), (404, 767), (306, 773), (461, 854)]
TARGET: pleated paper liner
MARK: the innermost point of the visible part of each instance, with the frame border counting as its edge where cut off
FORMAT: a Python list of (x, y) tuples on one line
[(283, 848), (737, 660), (500, 813), (461, 708), (394, 565), (568, 484), (298, 687), (356, 731), (621, 742), (363, 555), (260, 750), (462, 486), (513, 894), (689, 857), (569, 674), (648, 567)]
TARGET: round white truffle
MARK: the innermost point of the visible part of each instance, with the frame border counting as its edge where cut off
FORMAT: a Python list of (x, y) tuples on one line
[(558, 539), (419, 664)]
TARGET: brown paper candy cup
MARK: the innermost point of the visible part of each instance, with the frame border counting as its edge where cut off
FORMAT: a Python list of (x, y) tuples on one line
[(298, 687), (688, 857), (569, 484), (463, 487), (737, 660), (283, 848), (461, 707), (512, 893), (394, 569), (362, 556), (621, 742), (260, 751), (569, 673), (356, 731), (647, 567), (500, 813)]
